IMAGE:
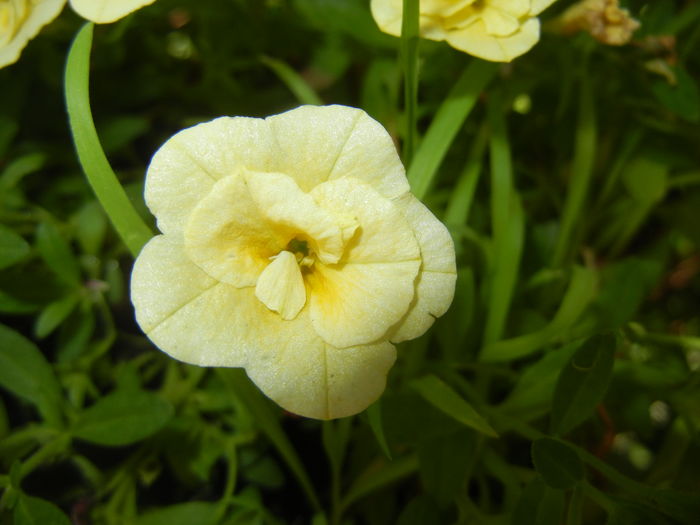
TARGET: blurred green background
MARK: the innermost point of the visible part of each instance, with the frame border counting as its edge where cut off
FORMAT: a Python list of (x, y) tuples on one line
[(563, 386)]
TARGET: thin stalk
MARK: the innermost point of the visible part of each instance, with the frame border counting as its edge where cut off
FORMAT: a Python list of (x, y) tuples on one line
[(409, 62), (129, 225)]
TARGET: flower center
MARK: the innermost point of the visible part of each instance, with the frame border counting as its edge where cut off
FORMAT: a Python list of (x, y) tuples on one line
[(300, 249)]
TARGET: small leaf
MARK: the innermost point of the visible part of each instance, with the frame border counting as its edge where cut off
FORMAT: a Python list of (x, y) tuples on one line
[(54, 314), (443, 397), (13, 248), (374, 416), (199, 512), (557, 463), (91, 227), (683, 98), (36, 511), (25, 372), (582, 383), (646, 180), (57, 254), (538, 505), (123, 417)]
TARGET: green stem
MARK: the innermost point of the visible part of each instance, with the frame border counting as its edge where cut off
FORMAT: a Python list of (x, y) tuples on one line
[(447, 122), (129, 225), (409, 61)]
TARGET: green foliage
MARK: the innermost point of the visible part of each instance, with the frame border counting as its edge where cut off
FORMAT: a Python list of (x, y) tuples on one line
[(561, 387)]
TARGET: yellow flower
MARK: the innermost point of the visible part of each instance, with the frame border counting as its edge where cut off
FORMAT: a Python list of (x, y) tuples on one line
[(20, 21), (497, 30), (291, 247), (107, 11)]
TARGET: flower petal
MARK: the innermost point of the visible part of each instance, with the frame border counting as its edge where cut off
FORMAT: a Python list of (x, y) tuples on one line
[(106, 11), (357, 301), (476, 41), (16, 33), (227, 235), (387, 14), (499, 23), (383, 235), (314, 379), (280, 286), (320, 143), (435, 285), (186, 167)]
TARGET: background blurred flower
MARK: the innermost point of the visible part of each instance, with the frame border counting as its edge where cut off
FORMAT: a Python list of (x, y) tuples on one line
[(106, 11), (603, 19), (497, 30), (292, 247), (20, 21)]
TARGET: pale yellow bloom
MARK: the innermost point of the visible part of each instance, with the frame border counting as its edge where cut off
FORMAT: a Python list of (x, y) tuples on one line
[(291, 247), (20, 21), (497, 30), (107, 11)]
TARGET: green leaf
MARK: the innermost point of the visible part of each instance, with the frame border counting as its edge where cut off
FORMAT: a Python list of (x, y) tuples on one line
[(37, 511), (123, 417), (54, 314), (627, 513), (104, 182), (57, 254), (13, 248), (683, 98), (646, 180), (447, 122), (538, 505), (374, 416), (199, 512), (557, 463), (531, 396), (582, 383), (443, 397), (25, 372), (293, 80), (581, 173), (91, 226), (376, 478), (580, 292), (444, 464)]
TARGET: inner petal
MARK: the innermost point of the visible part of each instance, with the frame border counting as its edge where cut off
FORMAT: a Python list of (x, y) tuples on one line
[(282, 202), (249, 217), (499, 23), (280, 286)]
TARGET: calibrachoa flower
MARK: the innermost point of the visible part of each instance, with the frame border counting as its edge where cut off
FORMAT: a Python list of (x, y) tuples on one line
[(20, 21), (291, 247), (497, 30), (107, 11)]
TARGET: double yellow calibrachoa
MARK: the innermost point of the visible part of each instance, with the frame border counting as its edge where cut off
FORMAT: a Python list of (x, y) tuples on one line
[(291, 247), (496, 30)]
